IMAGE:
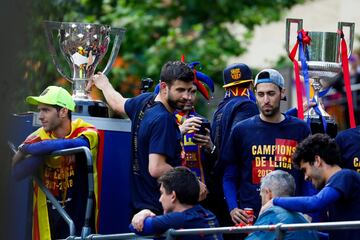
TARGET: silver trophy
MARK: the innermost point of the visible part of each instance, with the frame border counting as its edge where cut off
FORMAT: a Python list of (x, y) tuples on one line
[(83, 45), (324, 66)]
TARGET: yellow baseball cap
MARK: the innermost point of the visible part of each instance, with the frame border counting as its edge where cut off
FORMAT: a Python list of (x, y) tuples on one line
[(53, 95)]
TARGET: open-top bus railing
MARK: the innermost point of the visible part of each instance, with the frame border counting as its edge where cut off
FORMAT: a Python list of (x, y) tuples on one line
[(279, 229)]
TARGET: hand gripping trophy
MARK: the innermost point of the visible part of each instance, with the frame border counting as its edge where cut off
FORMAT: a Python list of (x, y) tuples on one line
[(322, 58), (83, 45)]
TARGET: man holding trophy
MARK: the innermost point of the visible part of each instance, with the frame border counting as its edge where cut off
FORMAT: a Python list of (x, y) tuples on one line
[(155, 135)]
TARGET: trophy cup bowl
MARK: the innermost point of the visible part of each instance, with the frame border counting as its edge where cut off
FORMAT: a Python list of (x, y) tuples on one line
[(83, 45), (324, 67)]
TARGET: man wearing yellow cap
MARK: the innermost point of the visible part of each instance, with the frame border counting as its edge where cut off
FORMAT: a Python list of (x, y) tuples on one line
[(64, 176)]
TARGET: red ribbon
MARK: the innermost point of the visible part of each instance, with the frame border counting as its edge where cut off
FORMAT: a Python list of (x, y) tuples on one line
[(346, 72), (299, 92)]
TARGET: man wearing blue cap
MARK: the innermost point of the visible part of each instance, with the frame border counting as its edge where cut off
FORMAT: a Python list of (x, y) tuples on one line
[(64, 176), (237, 105), (259, 145)]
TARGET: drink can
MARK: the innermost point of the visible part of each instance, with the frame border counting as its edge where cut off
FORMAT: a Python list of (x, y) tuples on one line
[(250, 212)]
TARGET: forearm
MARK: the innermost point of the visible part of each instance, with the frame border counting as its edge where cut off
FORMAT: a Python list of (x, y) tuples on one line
[(115, 100), (26, 167), (148, 228), (158, 170), (229, 186), (48, 146), (314, 203), (158, 165)]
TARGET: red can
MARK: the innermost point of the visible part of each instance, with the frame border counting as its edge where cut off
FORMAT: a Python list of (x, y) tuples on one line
[(250, 212)]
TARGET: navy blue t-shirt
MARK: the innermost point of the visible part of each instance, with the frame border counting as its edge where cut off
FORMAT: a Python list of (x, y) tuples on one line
[(347, 208), (254, 149), (195, 217), (229, 112), (157, 133), (349, 143)]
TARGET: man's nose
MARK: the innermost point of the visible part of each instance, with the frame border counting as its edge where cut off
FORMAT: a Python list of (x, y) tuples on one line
[(266, 98), (187, 95)]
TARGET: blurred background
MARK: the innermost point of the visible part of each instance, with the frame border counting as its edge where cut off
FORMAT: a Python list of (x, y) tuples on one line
[(216, 33)]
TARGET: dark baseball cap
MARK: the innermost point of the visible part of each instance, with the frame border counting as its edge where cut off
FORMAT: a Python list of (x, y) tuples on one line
[(235, 74)]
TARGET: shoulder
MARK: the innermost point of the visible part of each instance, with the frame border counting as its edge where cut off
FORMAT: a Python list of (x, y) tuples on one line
[(276, 214), (296, 123), (81, 128), (36, 136), (248, 122), (345, 181), (347, 134), (135, 103), (345, 174)]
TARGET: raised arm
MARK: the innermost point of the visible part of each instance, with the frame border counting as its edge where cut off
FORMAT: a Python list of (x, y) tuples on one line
[(115, 100)]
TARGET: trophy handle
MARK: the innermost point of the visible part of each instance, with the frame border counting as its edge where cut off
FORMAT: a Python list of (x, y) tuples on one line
[(119, 34), (287, 36), (49, 27), (341, 25)]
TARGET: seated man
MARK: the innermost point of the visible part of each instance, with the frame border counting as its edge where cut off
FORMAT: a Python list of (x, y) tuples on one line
[(279, 184), (179, 198)]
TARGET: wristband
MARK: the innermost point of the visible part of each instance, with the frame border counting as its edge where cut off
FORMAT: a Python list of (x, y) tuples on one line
[(213, 149)]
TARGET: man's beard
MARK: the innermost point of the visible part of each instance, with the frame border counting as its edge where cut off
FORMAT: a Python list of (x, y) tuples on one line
[(270, 113), (175, 104)]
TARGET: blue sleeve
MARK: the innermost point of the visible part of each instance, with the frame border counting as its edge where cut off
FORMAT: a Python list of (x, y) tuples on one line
[(148, 228), (160, 224), (26, 167), (48, 146), (245, 111), (133, 105), (229, 186), (160, 135), (314, 203), (292, 112)]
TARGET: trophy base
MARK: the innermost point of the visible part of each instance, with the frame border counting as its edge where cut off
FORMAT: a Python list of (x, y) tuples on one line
[(317, 126), (91, 108)]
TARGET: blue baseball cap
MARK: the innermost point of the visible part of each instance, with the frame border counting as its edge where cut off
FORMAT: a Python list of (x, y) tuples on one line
[(235, 74), (270, 76)]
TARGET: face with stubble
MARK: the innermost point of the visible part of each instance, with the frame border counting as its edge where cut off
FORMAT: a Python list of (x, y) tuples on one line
[(268, 97), (179, 94), (49, 117)]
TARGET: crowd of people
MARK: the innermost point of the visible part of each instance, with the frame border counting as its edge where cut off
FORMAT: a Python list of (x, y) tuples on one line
[(185, 175)]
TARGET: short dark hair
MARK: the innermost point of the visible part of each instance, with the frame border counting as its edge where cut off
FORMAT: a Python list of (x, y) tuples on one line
[(318, 144), (58, 108), (183, 182), (176, 70)]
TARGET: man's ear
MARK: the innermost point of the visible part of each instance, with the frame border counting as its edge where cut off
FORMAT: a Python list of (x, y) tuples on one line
[(268, 192), (318, 161), (163, 86), (173, 197), (282, 94), (63, 112)]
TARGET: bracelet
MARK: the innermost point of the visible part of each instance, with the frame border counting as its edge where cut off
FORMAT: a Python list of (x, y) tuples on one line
[(213, 149)]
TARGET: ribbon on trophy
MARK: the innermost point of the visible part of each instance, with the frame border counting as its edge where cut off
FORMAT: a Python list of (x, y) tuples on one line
[(302, 40), (345, 67)]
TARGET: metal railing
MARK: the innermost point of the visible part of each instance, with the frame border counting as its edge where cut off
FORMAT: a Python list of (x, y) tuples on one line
[(86, 230), (279, 229)]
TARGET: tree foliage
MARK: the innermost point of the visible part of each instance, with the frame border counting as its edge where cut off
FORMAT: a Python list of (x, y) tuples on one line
[(156, 31)]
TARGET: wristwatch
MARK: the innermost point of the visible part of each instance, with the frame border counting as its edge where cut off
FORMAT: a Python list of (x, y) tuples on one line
[(20, 147)]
